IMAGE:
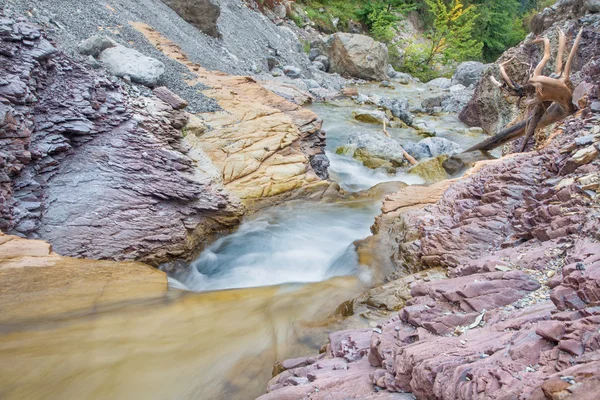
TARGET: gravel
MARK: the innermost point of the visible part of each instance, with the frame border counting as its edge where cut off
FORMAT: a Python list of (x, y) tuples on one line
[(248, 37)]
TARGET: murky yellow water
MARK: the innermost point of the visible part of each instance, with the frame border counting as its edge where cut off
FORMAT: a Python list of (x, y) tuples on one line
[(219, 345)]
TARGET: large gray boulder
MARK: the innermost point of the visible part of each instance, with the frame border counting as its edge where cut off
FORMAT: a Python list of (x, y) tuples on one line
[(371, 149), (438, 146), (469, 73), (123, 61), (203, 14), (377, 150), (357, 56)]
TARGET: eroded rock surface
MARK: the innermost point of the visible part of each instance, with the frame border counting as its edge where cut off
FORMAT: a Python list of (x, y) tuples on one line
[(96, 172), (518, 316), (265, 147)]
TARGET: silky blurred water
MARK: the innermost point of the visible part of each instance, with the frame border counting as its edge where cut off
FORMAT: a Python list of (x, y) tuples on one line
[(297, 263), (309, 241)]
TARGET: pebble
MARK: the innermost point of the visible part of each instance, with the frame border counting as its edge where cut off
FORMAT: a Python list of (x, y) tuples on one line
[(377, 330)]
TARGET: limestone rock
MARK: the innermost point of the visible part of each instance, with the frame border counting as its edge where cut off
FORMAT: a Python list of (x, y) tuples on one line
[(399, 108), (370, 116), (95, 45), (375, 146), (468, 73), (203, 14), (438, 146), (122, 61), (358, 56), (431, 170), (442, 83), (292, 72)]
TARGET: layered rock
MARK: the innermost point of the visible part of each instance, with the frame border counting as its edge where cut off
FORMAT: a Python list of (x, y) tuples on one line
[(518, 315), (265, 147), (96, 171)]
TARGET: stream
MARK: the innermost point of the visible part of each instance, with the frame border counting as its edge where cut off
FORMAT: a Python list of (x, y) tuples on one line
[(259, 295)]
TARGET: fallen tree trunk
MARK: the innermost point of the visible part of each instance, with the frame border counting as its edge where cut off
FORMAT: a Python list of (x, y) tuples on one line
[(553, 114)]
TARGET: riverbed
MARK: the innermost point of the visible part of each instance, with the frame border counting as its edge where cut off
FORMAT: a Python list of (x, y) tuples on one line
[(261, 294)]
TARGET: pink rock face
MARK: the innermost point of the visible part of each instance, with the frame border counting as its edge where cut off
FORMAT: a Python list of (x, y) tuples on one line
[(519, 316)]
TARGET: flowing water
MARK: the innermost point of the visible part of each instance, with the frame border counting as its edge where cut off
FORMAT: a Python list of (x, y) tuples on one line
[(296, 263)]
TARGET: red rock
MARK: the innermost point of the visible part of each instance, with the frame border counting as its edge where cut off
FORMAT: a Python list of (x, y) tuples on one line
[(551, 330)]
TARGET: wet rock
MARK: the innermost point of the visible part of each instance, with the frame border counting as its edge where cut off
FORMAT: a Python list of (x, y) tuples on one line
[(370, 116), (358, 56), (431, 170), (122, 61)]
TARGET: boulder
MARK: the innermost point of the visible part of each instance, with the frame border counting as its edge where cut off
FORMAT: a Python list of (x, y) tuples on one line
[(123, 61), (431, 170), (593, 6), (323, 60), (319, 65), (399, 109), (469, 73), (95, 45), (292, 72), (203, 14), (453, 100), (314, 53), (442, 83), (364, 146), (438, 146), (370, 116), (358, 56)]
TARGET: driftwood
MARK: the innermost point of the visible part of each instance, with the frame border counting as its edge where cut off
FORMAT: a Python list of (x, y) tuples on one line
[(549, 98), (408, 157)]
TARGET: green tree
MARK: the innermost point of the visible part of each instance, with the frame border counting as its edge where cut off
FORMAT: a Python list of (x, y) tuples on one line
[(452, 34), (499, 26)]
